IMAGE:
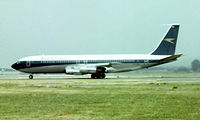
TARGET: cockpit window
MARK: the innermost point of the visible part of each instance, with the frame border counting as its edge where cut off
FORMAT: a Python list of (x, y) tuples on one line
[(18, 62)]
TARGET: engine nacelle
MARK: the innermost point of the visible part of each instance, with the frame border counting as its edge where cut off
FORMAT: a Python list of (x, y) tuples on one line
[(73, 71), (88, 70), (83, 70), (80, 71)]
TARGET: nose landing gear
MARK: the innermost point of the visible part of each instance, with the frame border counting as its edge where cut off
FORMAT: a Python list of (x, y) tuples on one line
[(30, 76)]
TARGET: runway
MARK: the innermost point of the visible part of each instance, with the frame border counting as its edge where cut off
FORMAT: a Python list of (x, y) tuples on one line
[(154, 77), (112, 80)]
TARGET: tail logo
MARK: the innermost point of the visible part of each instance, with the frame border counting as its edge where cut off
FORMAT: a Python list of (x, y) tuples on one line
[(169, 40)]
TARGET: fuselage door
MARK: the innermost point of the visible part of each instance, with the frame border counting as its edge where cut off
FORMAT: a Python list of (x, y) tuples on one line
[(78, 61), (146, 62), (85, 61), (28, 63)]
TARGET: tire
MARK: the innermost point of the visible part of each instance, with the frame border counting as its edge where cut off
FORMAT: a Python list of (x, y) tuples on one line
[(30, 76), (98, 76), (103, 75), (93, 76)]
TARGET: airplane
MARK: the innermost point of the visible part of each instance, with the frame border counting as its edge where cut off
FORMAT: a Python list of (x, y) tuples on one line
[(99, 65)]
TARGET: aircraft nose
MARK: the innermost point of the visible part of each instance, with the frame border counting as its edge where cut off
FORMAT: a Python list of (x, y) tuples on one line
[(14, 66)]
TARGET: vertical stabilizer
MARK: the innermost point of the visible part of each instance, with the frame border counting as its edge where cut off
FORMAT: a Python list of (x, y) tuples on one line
[(167, 45)]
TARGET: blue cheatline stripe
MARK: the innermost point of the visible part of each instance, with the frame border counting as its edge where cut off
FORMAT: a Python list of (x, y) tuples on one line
[(28, 64)]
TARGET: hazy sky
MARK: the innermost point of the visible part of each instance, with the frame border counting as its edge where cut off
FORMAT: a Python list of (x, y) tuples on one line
[(37, 27)]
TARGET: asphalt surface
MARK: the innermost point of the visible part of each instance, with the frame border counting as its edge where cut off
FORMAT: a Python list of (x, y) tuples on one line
[(108, 78)]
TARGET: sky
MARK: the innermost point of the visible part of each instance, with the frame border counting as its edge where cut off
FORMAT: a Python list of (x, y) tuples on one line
[(62, 27)]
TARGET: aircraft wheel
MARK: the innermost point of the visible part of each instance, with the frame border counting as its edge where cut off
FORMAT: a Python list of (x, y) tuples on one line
[(93, 76), (103, 75), (98, 75), (30, 76)]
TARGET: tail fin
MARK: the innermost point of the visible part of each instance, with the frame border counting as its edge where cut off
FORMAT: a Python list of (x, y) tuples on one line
[(167, 45)]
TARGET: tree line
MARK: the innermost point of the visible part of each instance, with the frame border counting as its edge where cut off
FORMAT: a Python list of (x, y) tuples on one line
[(195, 65)]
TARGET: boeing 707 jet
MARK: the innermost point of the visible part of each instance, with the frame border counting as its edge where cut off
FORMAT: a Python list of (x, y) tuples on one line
[(99, 65)]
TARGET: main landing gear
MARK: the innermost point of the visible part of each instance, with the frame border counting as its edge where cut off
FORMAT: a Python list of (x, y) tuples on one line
[(98, 75), (30, 76)]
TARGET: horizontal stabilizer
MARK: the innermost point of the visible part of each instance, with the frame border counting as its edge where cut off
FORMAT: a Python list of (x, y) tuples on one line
[(171, 58), (166, 60)]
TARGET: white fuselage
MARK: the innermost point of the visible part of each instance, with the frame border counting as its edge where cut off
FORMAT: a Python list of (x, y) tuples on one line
[(76, 63)]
